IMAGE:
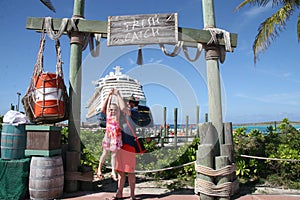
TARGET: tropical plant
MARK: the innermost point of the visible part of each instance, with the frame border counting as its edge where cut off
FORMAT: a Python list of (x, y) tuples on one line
[(270, 28), (241, 169), (281, 146)]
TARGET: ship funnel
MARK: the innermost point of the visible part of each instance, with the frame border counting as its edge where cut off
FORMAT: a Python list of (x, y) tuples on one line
[(118, 70)]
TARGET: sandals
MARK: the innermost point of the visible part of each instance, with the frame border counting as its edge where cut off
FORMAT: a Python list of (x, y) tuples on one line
[(100, 176), (116, 198), (114, 176)]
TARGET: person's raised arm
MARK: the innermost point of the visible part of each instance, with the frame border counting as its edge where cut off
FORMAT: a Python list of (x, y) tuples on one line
[(104, 105), (122, 104)]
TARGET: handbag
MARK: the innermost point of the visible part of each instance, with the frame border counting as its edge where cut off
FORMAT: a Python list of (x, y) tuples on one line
[(46, 100), (129, 138)]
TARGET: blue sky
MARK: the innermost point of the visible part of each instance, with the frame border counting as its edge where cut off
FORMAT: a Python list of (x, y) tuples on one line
[(266, 91)]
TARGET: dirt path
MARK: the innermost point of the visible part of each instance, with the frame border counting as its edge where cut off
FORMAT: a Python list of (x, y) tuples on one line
[(152, 189)]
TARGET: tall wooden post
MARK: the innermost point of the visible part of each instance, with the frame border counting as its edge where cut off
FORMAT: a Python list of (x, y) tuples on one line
[(186, 128), (175, 126), (164, 134), (75, 77), (197, 120), (213, 75)]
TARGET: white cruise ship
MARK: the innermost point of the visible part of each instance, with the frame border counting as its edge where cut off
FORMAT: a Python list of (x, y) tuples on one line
[(122, 82)]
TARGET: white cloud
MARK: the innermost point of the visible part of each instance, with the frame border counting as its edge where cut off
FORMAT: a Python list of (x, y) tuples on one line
[(291, 99), (256, 11)]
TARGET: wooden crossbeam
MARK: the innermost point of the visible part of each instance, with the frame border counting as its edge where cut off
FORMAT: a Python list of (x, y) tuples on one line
[(188, 35)]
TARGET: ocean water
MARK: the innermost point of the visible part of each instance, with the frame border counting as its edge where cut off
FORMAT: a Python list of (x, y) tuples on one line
[(261, 128)]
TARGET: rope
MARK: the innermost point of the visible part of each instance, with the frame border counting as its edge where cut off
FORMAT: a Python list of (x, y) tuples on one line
[(159, 170), (59, 63), (209, 188), (50, 32), (198, 53), (86, 40), (264, 158), (73, 22), (176, 50), (214, 32), (228, 169), (95, 51)]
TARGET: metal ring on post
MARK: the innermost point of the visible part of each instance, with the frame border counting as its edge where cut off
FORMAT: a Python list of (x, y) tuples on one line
[(76, 38), (212, 53)]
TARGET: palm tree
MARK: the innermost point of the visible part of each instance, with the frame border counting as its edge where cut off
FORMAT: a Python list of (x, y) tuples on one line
[(48, 4), (270, 28)]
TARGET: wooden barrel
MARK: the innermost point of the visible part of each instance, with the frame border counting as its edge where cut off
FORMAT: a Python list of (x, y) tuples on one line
[(46, 178), (13, 141)]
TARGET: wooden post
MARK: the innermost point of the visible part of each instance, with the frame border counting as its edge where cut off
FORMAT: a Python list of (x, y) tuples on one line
[(75, 98), (186, 128), (222, 161), (163, 136), (228, 135), (213, 76), (175, 127), (197, 120), (165, 121), (228, 149), (208, 134), (205, 157)]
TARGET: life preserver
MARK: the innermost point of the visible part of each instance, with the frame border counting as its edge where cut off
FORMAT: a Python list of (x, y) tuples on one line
[(48, 95)]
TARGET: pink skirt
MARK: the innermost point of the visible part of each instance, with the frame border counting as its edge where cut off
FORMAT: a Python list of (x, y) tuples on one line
[(125, 160)]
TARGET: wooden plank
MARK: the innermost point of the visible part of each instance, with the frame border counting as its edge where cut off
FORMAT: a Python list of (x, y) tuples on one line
[(45, 153), (188, 35), (43, 140), (42, 128), (86, 26), (142, 29)]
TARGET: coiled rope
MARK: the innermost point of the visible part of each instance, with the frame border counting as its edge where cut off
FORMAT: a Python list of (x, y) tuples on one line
[(88, 38), (55, 35), (228, 169), (209, 188), (198, 53), (214, 32), (176, 50)]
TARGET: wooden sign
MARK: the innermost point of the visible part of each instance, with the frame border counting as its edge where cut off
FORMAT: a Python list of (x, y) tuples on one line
[(142, 29)]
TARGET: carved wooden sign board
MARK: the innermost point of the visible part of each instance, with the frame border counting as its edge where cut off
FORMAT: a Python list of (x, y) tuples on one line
[(142, 29)]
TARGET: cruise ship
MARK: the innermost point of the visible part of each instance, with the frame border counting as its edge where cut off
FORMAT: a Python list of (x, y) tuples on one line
[(126, 85)]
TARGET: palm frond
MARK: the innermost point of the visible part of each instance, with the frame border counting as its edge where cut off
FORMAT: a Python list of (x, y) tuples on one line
[(293, 2), (253, 2), (243, 4), (48, 4), (268, 30)]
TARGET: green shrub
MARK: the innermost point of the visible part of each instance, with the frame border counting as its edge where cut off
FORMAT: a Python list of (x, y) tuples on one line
[(283, 143)]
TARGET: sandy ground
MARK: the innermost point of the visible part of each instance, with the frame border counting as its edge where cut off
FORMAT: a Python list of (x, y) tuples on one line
[(153, 189)]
